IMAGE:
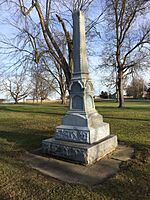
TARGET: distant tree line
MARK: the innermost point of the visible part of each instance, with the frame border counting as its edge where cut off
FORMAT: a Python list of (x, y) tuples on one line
[(137, 89)]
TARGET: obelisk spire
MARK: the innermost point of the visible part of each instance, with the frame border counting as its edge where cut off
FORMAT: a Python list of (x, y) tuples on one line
[(79, 44), (82, 137)]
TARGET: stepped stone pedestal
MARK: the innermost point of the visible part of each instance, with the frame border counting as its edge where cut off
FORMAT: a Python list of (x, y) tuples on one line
[(82, 137)]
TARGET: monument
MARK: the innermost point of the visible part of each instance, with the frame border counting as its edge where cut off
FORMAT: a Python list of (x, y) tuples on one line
[(82, 137)]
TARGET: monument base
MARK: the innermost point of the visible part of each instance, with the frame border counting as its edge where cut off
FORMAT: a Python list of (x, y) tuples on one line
[(85, 154)]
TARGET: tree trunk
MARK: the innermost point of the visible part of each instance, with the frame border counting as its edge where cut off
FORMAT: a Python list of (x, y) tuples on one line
[(16, 101), (117, 94), (63, 99), (120, 90)]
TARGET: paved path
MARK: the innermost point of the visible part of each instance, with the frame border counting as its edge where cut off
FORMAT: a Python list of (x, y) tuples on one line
[(74, 173)]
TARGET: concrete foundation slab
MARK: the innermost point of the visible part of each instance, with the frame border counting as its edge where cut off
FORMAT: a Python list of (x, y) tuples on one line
[(91, 175)]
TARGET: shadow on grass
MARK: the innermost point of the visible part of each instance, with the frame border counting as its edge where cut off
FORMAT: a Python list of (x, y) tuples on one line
[(107, 107), (5, 109), (133, 108), (130, 119), (136, 145), (136, 108), (2, 197), (29, 140), (139, 146), (142, 108), (124, 186)]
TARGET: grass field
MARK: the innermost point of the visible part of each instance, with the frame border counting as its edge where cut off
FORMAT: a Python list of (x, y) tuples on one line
[(23, 127)]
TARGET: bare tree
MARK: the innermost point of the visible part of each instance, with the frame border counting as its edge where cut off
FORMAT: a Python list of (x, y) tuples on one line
[(53, 47), (53, 69), (148, 91), (2, 2), (42, 86), (127, 39), (48, 21), (16, 87), (136, 88), (29, 52), (46, 42), (73, 5)]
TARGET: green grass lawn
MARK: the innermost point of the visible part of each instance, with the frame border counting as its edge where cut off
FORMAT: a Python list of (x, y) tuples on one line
[(23, 127)]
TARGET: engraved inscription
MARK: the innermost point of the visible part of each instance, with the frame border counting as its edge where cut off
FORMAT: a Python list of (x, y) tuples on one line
[(67, 152), (72, 135)]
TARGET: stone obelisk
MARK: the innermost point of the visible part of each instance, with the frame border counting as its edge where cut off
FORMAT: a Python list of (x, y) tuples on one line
[(82, 137)]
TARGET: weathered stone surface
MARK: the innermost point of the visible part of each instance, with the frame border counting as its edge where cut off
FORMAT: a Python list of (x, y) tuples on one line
[(81, 153), (74, 134), (82, 134), (79, 44)]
